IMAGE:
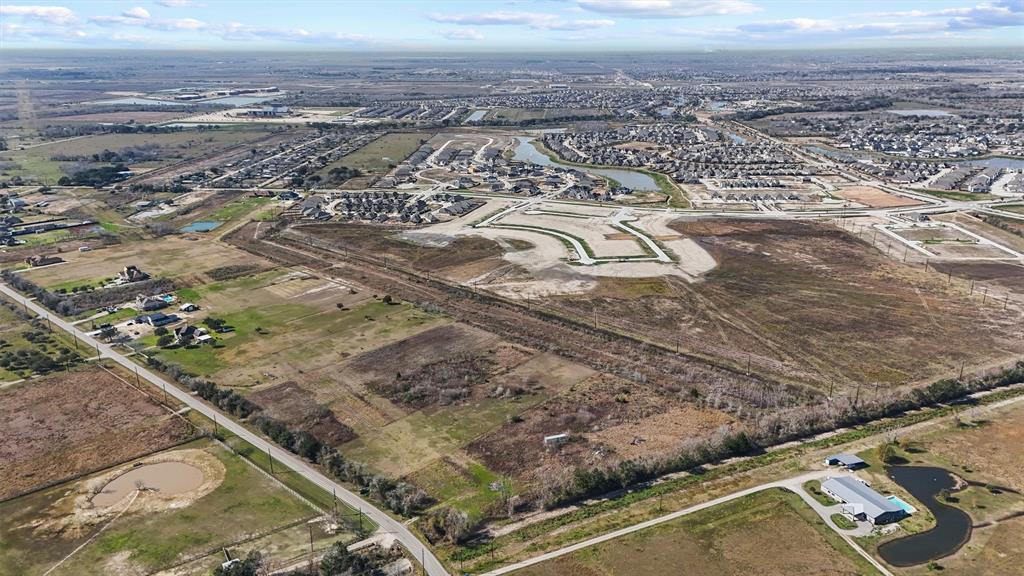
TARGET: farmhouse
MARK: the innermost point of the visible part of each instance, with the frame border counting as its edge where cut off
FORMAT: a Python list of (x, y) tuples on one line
[(132, 273), (862, 502), (156, 319), (848, 461)]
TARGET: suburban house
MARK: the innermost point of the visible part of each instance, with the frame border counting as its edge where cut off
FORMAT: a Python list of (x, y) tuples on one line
[(132, 274), (861, 501), (156, 319), (848, 461), (148, 303), (187, 333), (188, 307)]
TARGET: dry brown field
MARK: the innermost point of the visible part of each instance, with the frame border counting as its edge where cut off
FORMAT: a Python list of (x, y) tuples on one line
[(67, 423)]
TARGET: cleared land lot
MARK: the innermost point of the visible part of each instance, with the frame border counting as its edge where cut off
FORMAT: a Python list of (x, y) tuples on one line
[(771, 533), (68, 423), (874, 197), (168, 257), (234, 502), (808, 301)]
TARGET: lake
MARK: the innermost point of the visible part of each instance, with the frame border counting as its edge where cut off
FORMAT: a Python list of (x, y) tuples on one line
[(201, 226), (138, 102), (239, 100), (1011, 163), (526, 152), (920, 112), (952, 525)]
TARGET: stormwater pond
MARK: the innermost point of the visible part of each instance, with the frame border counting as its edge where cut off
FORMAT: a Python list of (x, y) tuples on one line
[(952, 525)]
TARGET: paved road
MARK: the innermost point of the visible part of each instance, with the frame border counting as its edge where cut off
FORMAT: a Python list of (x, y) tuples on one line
[(793, 484), (386, 523)]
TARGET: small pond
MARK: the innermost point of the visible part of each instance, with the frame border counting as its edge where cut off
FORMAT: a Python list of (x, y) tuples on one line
[(167, 478), (476, 115), (952, 525), (525, 152), (201, 226)]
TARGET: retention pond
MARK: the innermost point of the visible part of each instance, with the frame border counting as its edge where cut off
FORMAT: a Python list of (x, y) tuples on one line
[(165, 478), (525, 151), (952, 525)]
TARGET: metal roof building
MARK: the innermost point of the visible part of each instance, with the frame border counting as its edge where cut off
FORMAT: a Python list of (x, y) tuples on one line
[(848, 461), (861, 501)]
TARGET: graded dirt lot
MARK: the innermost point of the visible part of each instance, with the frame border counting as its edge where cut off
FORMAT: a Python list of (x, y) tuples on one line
[(67, 423), (874, 197), (771, 533), (808, 301)]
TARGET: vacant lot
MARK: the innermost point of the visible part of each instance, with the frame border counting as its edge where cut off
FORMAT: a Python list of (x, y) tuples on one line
[(464, 252), (874, 197), (607, 419), (67, 423), (237, 503), (770, 533), (167, 257), (378, 157), (808, 301)]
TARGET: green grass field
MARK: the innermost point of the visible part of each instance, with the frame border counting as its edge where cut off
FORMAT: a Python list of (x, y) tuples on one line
[(379, 156), (244, 504)]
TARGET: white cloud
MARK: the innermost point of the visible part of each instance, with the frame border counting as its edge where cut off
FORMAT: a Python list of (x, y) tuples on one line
[(13, 31), (580, 24), (51, 14), (236, 31), (1002, 14), (178, 3), (137, 12), (535, 20), (463, 34), (668, 8)]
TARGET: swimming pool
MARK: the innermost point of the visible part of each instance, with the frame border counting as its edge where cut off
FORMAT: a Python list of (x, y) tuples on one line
[(899, 502)]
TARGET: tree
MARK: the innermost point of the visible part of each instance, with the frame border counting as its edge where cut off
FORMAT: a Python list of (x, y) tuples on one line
[(338, 561), (886, 453), (165, 340), (160, 331)]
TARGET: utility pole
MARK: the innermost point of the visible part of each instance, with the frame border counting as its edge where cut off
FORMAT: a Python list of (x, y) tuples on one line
[(270, 459), (215, 431), (961, 377), (137, 383), (984, 295)]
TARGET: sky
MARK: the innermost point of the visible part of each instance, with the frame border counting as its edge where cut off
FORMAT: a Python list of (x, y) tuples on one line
[(510, 25)]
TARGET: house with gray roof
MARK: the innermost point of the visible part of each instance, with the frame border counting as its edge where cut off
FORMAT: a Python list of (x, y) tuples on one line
[(861, 501)]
